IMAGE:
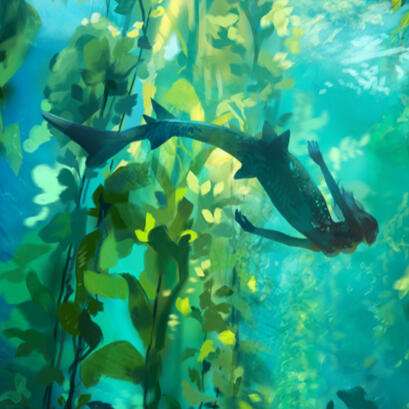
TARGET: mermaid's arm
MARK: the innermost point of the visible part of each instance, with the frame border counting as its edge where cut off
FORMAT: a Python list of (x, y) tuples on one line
[(316, 156), (274, 234)]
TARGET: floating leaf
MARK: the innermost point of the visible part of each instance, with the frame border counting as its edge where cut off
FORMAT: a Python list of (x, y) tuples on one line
[(227, 337), (205, 350), (255, 397), (183, 305), (212, 218), (118, 360), (192, 182)]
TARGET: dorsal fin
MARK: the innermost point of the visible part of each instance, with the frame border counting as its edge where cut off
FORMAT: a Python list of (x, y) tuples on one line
[(148, 119), (282, 141), (245, 172), (161, 113), (268, 133)]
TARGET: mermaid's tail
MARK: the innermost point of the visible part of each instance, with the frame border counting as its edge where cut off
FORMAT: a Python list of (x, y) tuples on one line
[(101, 145)]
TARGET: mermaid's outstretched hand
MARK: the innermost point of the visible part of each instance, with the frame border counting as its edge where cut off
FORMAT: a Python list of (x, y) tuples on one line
[(314, 152), (242, 220)]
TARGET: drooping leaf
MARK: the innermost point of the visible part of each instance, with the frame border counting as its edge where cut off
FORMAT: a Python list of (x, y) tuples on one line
[(118, 360), (227, 337), (140, 309), (48, 375), (213, 321), (28, 252), (183, 305), (89, 330), (10, 142), (68, 314), (224, 291)]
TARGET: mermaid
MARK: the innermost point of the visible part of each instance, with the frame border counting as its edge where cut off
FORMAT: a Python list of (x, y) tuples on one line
[(283, 177)]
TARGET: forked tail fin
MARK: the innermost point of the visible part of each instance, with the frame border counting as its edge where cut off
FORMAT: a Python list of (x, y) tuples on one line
[(99, 144)]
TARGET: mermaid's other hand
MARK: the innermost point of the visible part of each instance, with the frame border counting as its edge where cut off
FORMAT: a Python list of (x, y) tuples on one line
[(242, 220), (314, 152)]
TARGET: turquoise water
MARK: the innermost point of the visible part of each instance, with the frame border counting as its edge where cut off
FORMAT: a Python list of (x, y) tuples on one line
[(315, 325)]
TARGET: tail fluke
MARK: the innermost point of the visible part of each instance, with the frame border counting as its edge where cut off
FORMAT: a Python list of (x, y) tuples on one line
[(99, 144)]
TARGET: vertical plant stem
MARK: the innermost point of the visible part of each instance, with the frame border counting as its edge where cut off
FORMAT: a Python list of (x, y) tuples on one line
[(146, 384)]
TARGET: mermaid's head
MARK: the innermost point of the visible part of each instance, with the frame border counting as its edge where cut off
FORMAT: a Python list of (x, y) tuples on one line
[(367, 223)]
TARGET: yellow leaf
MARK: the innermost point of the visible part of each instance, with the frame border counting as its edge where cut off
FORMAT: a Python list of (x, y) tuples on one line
[(149, 222), (182, 95), (148, 92), (138, 25), (217, 215), (223, 21), (285, 83), (222, 119), (158, 12), (180, 194), (205, 188), (200, 272), (192, 182), (205, 350), (173, 323), (252, 284), (141, 235), (402, 285), (218, 188), (255, 397), (197, 113), (227, 337), (206, 264), (207, 215), (133, 33), (193, 235), (244, 405), (183, 305)]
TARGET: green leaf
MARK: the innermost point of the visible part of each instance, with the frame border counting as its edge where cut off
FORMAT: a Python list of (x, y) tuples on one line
[(90, 331), (224, 291), (285, 83), (182, 96), (67, 179), (125, 104), (184, 211), (403, 23), (83, 400), (108, 255), (118, 360), (58, 229), (48, 375), (195, 377), (127, 178), (213, 321), (97, 55), (68, 315), (28, 252), (10, 140), (39, 134), (77, 92), (188, 353), (105, 285), (191, 395), (40, 293), (140, 309), (172, 402)]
